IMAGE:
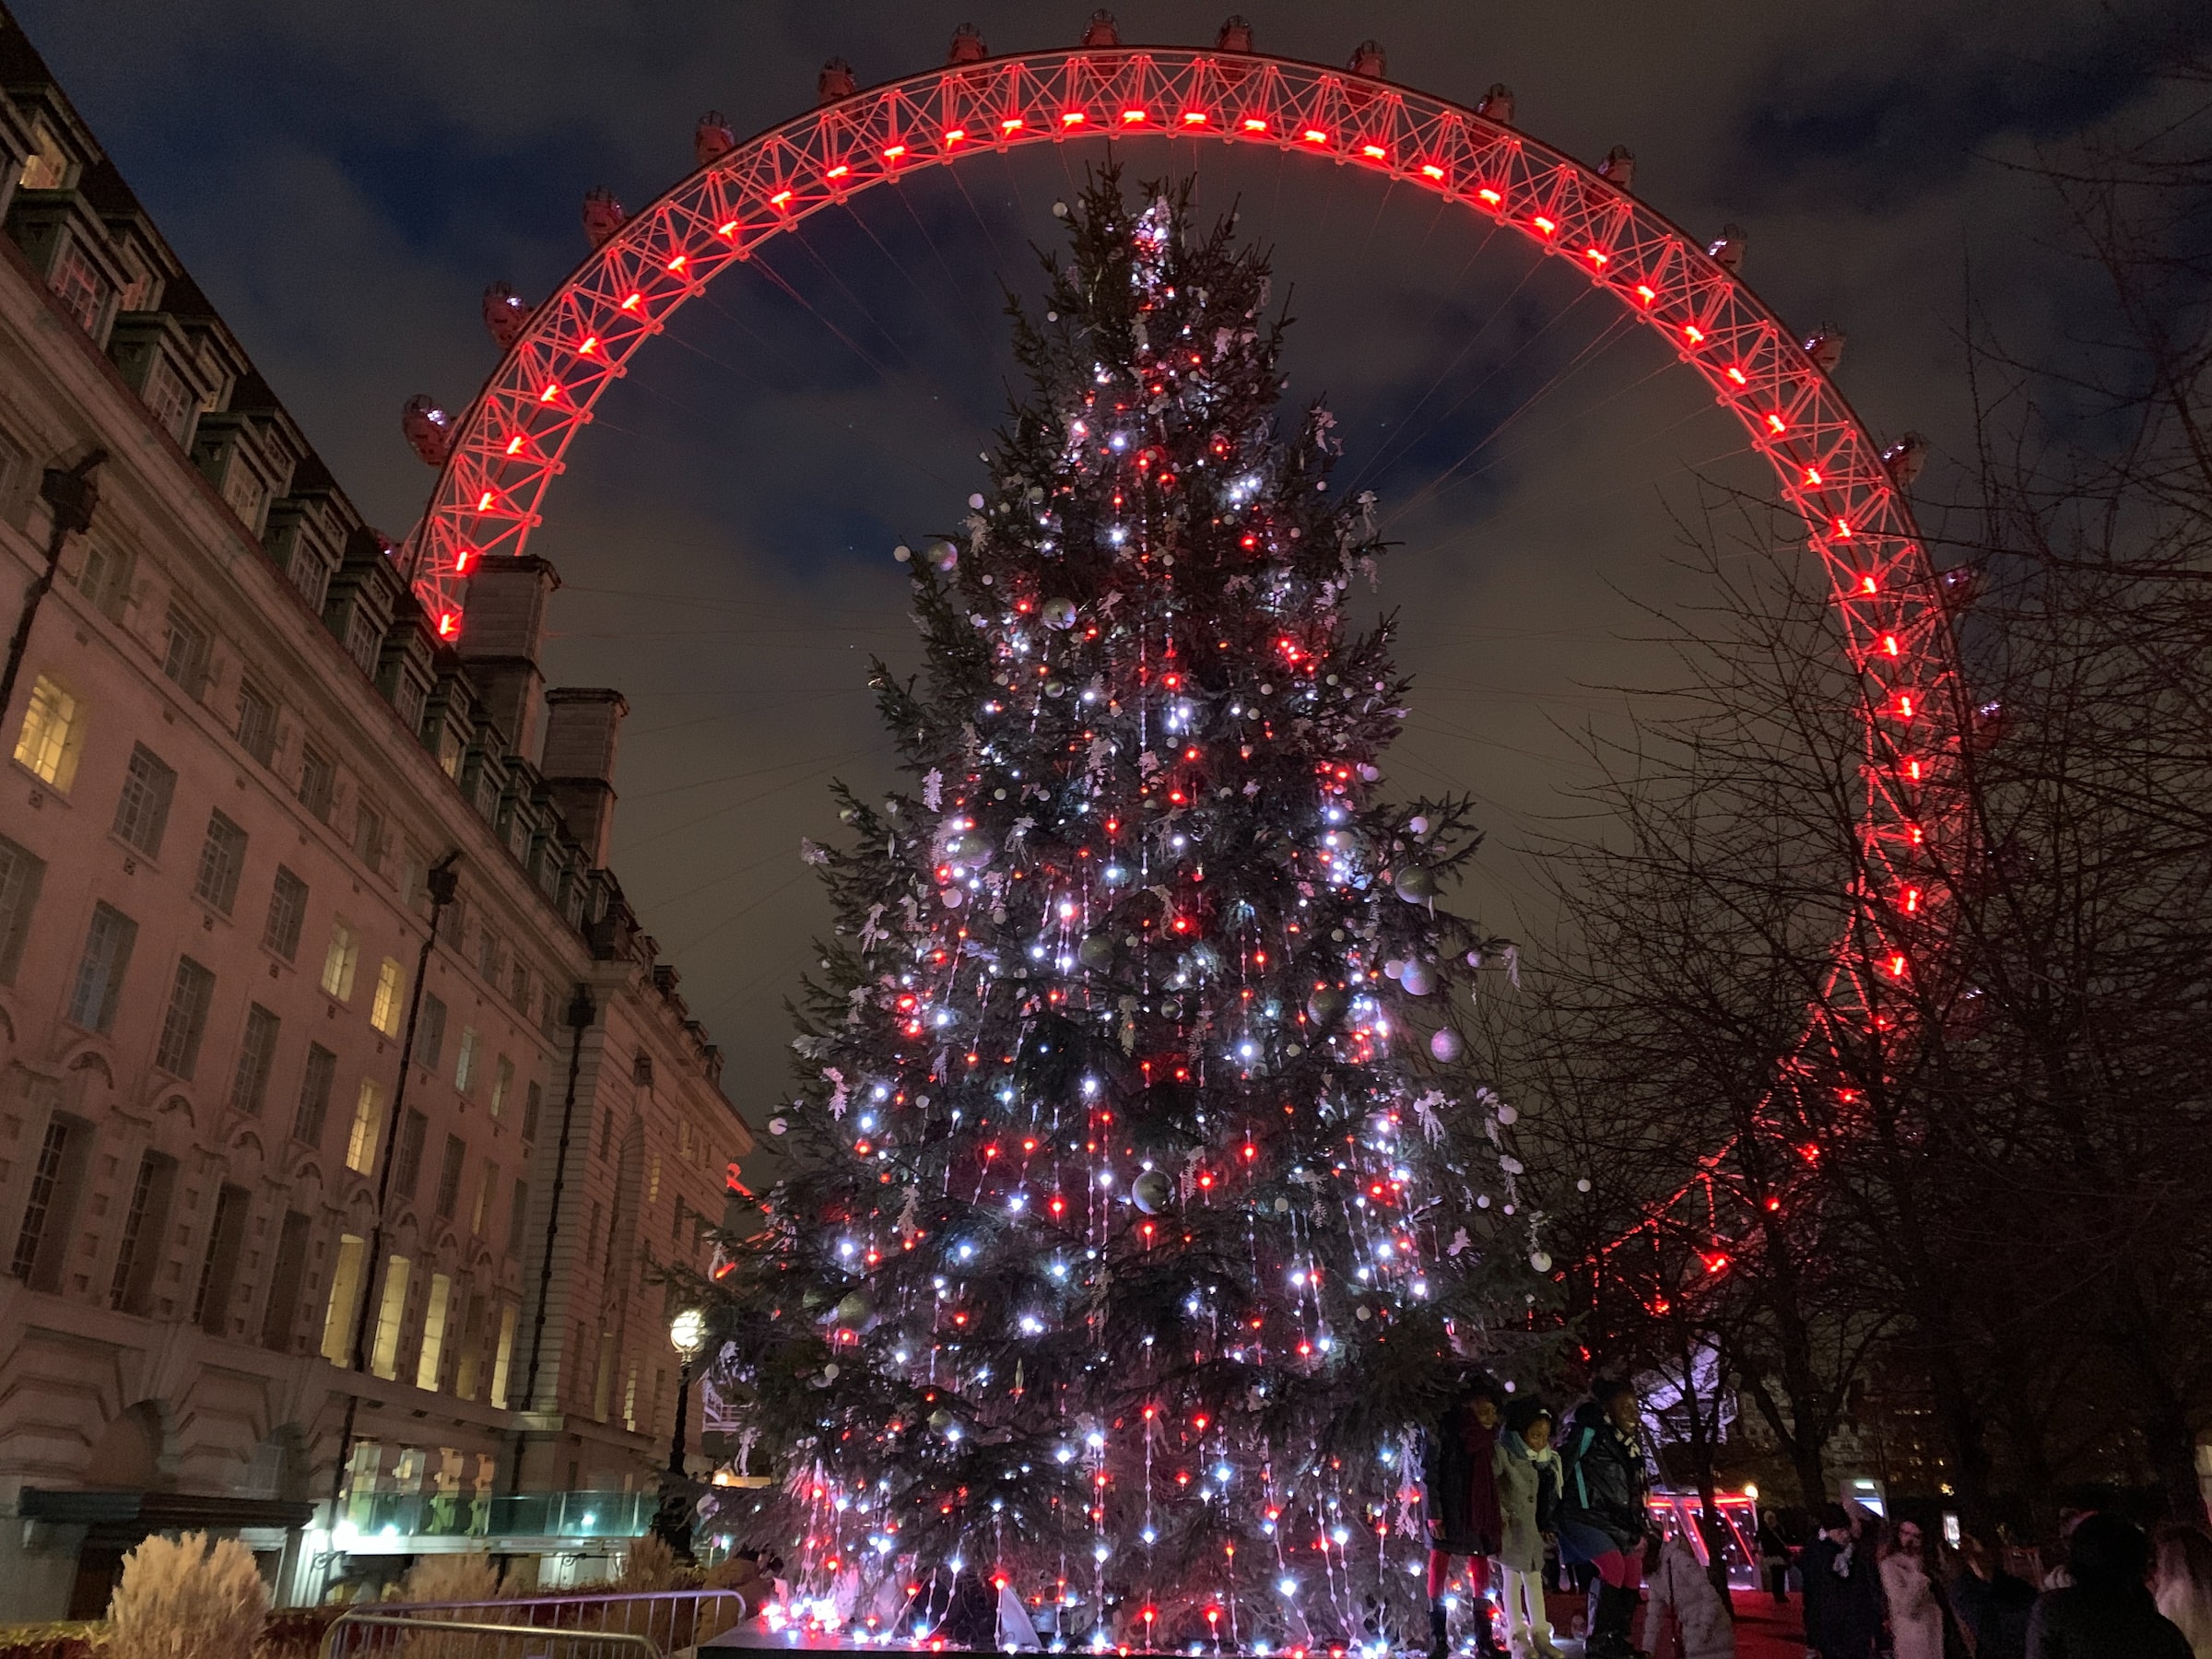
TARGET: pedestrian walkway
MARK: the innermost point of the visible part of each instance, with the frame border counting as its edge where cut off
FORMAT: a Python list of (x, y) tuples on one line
[(1766, 1632)]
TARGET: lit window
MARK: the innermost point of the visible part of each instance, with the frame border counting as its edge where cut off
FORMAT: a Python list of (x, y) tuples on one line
[(384, 1011), (391, 1315), (54, 731), (340, 960), (345, 1294), (368, 1127), (433, 1333), (79, 285), (47, 167)]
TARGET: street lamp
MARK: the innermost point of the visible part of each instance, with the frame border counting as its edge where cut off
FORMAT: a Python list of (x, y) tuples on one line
[(672, 1521)]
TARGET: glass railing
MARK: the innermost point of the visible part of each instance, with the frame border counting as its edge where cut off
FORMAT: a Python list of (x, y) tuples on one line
[(525, 1514)]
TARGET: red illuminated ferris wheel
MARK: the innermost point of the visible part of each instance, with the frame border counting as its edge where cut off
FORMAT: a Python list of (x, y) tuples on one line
[(502, 454)]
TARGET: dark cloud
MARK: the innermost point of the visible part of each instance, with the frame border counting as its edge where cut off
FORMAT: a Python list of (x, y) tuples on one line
[(344, 179)]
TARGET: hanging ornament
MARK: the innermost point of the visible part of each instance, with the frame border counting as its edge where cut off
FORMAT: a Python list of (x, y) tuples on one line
[(1058, 613), (855, 1309), (943, 556), (1151, 1192), (1539, 1261), (1446, 1046), (1417, 883), (1327, 1006), (1096, 952), (1418, 979)]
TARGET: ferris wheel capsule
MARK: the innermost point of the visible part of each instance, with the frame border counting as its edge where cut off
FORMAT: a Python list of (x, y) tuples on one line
[(506, 314), (967, 46), (1619, 168), (603, 215), (1370, 60), (1905, 458), (1824, 346), (1497, 104), (711, 139), (1236, 34), (834, 82), (1102, 31), (1728, 250), (428, 428)]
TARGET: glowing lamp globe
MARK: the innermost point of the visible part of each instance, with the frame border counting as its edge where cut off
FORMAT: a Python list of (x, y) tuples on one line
[(688, 1333)]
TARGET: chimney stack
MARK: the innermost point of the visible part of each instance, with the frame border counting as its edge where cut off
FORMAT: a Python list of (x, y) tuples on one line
[(581, 723), (507, 597)]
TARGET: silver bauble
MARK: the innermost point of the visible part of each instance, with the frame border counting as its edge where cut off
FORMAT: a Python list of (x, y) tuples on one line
[(1446, 1046), (1151, 1192), (942, 555), (1417, 883), (1058, 613)]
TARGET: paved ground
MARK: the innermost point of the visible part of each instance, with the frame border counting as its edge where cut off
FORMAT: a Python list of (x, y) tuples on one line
[(1763, 1629)]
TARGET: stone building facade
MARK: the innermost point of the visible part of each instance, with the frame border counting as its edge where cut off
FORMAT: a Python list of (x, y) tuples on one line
[(234, 753)]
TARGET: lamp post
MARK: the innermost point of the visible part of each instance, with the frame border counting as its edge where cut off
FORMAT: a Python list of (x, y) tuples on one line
[(671, 1522)]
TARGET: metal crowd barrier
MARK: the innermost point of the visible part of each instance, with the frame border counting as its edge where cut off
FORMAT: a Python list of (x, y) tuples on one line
[(629, 1624)]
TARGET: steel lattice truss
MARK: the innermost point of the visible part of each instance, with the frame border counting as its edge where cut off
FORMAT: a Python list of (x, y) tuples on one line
[(509, 447)]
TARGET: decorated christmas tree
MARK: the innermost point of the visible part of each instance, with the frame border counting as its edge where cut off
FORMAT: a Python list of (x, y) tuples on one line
[(1144, 1205)]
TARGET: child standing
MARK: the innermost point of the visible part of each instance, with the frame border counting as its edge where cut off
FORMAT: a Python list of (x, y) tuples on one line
[(1528, 1490)]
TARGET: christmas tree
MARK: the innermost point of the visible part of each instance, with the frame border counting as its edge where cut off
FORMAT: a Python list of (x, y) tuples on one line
[(1137, 1219)]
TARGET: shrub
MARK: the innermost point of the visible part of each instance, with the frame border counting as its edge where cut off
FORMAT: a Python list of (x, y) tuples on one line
[(453, 1577), (187, 1598)]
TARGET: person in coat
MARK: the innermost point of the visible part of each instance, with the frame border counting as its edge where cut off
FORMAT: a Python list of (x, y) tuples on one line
[(2181, 1583), (2107, 1611), (1680, 1586), (1528, 1492), (1843, 1603), (1775, 1556), (1917, 1615), (1601, 1517), (1460, 1477), (1991, 1604)]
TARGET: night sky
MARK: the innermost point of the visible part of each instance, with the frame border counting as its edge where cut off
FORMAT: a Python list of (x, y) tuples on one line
[(343, 180)]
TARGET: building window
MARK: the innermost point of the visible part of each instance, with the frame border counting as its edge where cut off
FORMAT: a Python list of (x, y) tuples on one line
[(47, 167), (245, 492), (448, 1177), (406, 1159), (653, 1179), (105, 579), (315, 1085), (502, 1085), (368, 837), (368, 1124), (408, 699), (256, 723), (344, 1296), (532, 1095), (21, 876), (256, 1056), (340, 961), (222, 862), (488, 1180), (78, 283), (54, 731), (518, 987), (186, 1021), (288, 911), (184, 652), (504, 1359), (309, 573), (169, 401), (489, 956), (142, 809), (218, 1268), (45, 1186), (391, 1316), (391, 986), (433, 1334), (430, 1033), (283, 1306), (518, 1218), (465, 1068), (143, 1224), (364, 638), (100, 969), (318, 782)]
